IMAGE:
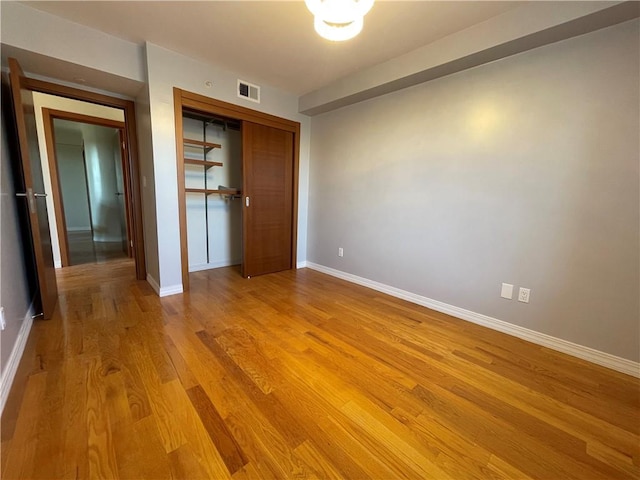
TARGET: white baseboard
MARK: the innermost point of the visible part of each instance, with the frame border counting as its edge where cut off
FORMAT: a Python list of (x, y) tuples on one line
[(302, 264), (209, 266), (107, 238), (586, 353), (154, 283), (172, 290), (11, 369), (163, 291)]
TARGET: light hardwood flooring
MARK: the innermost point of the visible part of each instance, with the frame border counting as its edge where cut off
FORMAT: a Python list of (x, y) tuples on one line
[(298, 374), (82, 249)]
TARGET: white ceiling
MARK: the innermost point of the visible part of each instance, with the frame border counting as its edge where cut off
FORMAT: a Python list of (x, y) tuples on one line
[(274, 42)]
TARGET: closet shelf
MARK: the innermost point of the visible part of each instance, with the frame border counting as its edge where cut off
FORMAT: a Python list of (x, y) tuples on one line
[(205, 163), (208, 146), (208, 191)]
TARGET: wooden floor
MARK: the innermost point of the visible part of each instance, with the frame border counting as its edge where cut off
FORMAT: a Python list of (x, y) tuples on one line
[(298, 374), (83, 249)]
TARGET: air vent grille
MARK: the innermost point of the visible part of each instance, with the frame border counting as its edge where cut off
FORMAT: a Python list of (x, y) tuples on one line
[(249, 91)]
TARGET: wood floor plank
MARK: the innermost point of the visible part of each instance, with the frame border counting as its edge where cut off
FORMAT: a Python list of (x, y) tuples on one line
[(163, 411), (397, 445), (21, 454), (100, 446), (299, 375), (232, 454)]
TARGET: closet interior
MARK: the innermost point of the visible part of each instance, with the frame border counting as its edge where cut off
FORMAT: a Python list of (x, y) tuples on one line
[(237, 186), (212, 184)]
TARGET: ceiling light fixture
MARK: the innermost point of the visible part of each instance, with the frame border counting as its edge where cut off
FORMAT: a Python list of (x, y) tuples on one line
[(339, 20)]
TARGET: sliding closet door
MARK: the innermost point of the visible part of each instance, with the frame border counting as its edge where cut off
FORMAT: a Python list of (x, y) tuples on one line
[(268, 199)]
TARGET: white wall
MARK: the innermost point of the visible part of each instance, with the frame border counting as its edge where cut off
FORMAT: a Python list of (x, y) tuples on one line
[(71, 173), (167, 69), (73, 186), (41, 100), (522, 171), (37, 31), (101, 180)]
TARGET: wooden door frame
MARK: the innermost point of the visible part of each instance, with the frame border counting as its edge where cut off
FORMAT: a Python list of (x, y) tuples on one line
[(184, 99), (48, 116), (131, 144)]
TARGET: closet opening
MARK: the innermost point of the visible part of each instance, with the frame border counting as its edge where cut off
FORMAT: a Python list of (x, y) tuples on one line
[(237, 186), (213, 185)]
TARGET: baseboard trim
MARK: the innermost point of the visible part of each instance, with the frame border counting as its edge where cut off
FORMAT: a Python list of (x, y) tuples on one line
[(14, 359), (209, 266), (301, 264), (163, 291), (107, 238), (586, 353), (172, 290), (154, 283)]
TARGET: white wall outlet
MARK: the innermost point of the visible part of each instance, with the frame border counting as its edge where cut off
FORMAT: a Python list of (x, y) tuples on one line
[(3, 322), (507, 291), (340, 252), (523, 295)]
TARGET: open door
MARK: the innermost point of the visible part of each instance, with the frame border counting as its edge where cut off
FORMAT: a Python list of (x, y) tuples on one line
[(33, 192), (267, 168)]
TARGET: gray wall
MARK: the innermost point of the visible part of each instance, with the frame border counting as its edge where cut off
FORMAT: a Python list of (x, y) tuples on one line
[(14, 295), (522, 171)]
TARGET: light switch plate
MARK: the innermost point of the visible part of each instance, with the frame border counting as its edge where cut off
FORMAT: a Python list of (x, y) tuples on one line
[(507, 291)]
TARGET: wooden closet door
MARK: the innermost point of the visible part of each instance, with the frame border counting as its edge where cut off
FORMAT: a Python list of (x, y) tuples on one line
[(267, 161)]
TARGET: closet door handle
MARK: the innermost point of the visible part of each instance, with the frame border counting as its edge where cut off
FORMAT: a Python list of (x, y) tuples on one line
[(246, 201)]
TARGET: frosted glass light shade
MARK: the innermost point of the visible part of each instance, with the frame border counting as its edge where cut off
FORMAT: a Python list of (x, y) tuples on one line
[(339, 20), (339, 11), (338, 32)]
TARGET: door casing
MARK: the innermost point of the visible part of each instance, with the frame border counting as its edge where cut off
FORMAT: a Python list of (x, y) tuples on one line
[(49, 115), (131, 146)]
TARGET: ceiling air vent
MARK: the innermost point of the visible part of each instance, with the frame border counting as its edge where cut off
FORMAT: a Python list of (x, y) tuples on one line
[(249, 91)]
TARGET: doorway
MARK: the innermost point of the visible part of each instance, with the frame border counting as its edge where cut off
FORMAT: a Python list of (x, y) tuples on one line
[(87, 165), (130, 172)]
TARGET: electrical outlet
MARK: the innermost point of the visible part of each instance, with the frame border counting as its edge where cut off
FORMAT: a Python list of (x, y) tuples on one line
[(340, 252), (3, 322), (523, 295), (507, 291)]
